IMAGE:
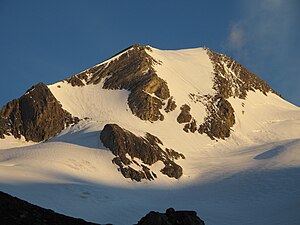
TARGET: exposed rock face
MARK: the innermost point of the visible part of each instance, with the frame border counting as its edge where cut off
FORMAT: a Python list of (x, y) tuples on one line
[(220, 118), (171, 217), (18, 212), (192, 126), (184, 116), (124, 144), (132, 71), (171, 105), (230, 80), (37, 115)]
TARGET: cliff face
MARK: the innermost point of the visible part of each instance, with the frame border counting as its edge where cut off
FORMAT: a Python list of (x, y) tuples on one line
[(37, 115)]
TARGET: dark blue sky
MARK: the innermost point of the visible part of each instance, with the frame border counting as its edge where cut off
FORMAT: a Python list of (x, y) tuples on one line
[(46, 41)]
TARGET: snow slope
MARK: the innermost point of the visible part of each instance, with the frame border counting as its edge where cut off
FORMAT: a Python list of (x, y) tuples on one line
[(250, 178)]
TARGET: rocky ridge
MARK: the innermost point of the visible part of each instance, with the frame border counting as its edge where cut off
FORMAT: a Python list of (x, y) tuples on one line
[(131, 70), (127, 147), (230, 79), (37, 115)]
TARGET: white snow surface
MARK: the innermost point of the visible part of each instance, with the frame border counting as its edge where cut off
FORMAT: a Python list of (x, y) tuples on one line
[(250, 178)]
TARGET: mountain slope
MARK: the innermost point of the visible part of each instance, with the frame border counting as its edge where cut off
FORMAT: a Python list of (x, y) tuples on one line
[(235, 139)]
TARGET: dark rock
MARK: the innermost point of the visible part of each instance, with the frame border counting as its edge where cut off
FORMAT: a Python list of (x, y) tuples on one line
[(14, 211), (123, 143), (220, 119), (145, 106), (184, 116), (192, 126), (231, 79), (171, 169), (37, 115), (171, 217), (171, 105), (173, 154), (132, 71), (235, 84), (75, 81), (133, 174)]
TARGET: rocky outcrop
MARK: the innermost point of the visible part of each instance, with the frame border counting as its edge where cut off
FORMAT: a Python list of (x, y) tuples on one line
[(171, 217), (231, 79), (184, 116), (191, 126), (18, 212), (37, 115), (220, 118), (171, 105), (127, 147), (131, 70)]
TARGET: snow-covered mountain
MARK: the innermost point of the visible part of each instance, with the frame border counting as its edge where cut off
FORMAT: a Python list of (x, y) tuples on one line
[(149, 129)]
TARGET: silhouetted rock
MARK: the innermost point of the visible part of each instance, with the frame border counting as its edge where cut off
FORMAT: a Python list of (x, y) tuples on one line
[(124, 144), (171, 217), (230, 79), (37, 115), (14, 211)]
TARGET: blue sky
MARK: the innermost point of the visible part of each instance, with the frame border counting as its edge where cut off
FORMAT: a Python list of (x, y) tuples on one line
[(46, 41)]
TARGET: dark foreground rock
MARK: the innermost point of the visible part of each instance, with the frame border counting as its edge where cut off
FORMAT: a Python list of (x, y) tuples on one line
[(37, 115), (14, 211), (171, 217), (127, 147)]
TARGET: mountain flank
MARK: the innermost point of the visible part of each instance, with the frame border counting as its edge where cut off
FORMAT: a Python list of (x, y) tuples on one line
[(39, 115)]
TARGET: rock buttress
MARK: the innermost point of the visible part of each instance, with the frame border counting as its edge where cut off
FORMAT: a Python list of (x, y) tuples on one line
[(37, 115), (127, 147)]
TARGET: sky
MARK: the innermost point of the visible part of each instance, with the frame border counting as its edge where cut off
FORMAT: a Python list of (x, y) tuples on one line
[(47, 41)]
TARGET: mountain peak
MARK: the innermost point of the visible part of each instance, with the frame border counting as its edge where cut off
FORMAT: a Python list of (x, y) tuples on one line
[(142, 92)]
